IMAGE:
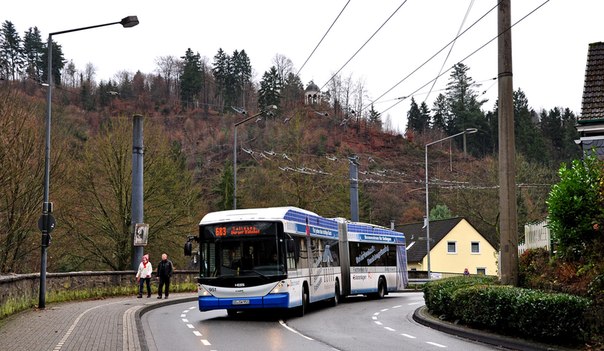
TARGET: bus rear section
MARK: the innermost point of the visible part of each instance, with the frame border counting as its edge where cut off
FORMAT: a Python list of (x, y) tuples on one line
[(376, 259)]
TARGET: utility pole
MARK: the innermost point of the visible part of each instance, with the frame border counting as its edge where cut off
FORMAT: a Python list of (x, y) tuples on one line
[(508, 222), (354, 187), (137, 184)]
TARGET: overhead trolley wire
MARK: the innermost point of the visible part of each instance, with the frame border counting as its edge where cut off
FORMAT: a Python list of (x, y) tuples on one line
[(324, 35), (431, 58), (362, 46), (451, 48), (462, 60)]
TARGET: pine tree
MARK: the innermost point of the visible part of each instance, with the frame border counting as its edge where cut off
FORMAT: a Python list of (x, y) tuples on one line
[(190, 79), (270, 89), (33, 48), (241, 74), (58, 62), (11, 51), (220, 71)]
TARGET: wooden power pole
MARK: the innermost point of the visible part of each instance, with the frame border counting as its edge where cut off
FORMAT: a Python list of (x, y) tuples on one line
[(508, 222)]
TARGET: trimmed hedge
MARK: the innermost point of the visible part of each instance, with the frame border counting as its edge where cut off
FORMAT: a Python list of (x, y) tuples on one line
[(532, 314), (438, 293)]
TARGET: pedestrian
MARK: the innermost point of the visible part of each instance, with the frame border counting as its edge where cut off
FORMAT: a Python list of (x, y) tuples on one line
[(143, 276), (164, 272)]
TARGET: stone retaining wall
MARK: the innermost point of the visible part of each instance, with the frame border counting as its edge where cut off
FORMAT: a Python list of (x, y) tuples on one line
[(25, 287)]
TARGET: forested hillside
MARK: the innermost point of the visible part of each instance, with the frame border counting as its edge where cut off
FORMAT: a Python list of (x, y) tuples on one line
[(298, 154)]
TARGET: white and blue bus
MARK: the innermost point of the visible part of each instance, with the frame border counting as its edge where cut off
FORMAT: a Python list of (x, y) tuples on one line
[(287, 257)]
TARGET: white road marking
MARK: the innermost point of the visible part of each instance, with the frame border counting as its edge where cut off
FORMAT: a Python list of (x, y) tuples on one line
[(415, 303), (197, 333), (294, 331), (376, 314), (205, 342), (435, 344), (378, 322), (388, 328), (185, 320), (384, 310), (408, 336), (397, 306), (183, 315), (374, 318), (191, 326)]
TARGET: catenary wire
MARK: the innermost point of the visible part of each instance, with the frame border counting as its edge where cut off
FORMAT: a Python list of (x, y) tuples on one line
[(324, 35)]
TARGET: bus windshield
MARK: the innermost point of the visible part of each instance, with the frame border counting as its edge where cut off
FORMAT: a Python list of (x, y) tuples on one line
[(244, 249)]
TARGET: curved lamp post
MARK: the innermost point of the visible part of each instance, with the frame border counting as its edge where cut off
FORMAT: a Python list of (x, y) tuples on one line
[(427, 219), (272, 107), (46, 223)]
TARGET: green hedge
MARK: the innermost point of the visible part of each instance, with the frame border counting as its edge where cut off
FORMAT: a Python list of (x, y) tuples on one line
[(532, 314), (438, 293)]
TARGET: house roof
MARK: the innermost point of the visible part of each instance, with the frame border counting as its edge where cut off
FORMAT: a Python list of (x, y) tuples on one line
[(592, 107), (415, 235)]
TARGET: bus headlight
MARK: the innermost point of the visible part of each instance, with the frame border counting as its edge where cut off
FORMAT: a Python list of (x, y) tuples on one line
[(279, 288), (201, 291)]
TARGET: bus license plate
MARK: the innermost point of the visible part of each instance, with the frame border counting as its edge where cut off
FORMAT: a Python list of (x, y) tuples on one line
[(241, 302)]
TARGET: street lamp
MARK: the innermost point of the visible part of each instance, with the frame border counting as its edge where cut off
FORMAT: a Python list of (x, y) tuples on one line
[(46, 223), (427, 219), (273, 107)]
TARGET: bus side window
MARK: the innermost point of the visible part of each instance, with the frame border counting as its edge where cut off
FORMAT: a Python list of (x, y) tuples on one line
[(303, 257)]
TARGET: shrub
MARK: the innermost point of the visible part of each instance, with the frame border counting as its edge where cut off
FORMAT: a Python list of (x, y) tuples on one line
[(438, 293), (532, 314)]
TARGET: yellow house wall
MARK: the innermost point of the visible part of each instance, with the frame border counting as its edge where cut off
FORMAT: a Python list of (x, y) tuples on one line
[(463, 234)]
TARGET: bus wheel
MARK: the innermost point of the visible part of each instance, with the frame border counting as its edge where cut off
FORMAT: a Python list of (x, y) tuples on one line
[(304, 306), (336, 296), (381, 290)]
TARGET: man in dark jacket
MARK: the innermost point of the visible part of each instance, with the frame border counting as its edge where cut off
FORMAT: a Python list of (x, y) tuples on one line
[(164, 272)]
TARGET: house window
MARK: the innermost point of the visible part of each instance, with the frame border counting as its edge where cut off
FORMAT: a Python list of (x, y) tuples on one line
[(451, 247), (475, 247), (481, 270)]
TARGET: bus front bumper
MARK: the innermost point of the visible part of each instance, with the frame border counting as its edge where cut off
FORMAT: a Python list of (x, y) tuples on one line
[(280, 300)]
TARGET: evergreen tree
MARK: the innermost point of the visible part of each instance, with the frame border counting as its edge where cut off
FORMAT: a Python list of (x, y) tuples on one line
[(270, 89), (418, 118), (241, 74), (11, 51), (220, 71), (293, 91), (33, 48), (441, 113), (529, 141), (464, 110), (58, 62), (190, 78), (375, 117)]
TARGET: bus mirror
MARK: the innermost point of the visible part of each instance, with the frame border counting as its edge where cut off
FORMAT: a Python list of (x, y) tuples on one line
[(188, 248)]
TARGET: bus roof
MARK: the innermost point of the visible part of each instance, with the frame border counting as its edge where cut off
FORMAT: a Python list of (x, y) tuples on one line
[(254, 214)]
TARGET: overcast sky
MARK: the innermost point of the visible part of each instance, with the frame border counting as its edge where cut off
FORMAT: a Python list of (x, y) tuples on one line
[(549, 46)]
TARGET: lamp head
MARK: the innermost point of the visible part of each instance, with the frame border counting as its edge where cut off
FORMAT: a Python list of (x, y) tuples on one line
[(129, 21), (470, 130)]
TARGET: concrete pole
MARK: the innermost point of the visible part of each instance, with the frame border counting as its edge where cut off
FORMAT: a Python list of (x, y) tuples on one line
[(354, 188), (508, 222), (137, 184)]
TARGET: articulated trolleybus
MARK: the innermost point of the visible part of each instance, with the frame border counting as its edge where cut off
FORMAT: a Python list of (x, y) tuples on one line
[(287, 257)]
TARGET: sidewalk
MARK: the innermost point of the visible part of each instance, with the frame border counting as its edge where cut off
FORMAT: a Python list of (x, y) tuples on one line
[(106, 324)]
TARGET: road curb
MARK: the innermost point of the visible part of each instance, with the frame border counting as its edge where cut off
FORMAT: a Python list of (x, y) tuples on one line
[(149, 307), (422, 316)]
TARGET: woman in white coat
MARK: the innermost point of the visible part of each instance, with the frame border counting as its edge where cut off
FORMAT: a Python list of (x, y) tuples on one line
[(143, 275)]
